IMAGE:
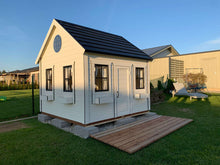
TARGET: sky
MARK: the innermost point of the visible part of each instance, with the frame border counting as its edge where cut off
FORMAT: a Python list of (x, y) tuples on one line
[(189, 25)]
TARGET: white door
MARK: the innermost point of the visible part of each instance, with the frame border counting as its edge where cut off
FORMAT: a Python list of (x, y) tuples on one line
[(122, 91)]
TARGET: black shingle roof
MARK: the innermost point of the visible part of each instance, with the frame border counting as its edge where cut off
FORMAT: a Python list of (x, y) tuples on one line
[(101, 42)]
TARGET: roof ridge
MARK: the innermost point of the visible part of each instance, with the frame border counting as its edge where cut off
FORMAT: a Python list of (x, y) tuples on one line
[(158, 46), (88, 27)]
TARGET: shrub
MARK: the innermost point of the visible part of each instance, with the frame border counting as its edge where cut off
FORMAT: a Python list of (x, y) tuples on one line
[(19, 86), (195, 78), (151, 86), (159, 85), (157, 96), (169, 86)]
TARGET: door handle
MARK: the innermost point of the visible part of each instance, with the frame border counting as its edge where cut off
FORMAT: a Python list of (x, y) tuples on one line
[(117, 94)]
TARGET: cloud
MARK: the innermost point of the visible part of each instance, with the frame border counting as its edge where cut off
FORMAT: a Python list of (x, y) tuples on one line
[(213, 44)]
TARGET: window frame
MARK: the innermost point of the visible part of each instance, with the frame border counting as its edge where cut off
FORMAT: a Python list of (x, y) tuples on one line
[(69, 78), (49, 79), (139, 78), (102, 78)]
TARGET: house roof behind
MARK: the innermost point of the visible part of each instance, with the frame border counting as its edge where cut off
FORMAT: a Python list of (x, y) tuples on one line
[(101, 42), (151, 51), (26, 70)]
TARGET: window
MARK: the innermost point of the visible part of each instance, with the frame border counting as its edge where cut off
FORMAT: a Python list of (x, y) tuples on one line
[(57, 43), (49, 79), (101, 78), (67, 79), (139, 78)]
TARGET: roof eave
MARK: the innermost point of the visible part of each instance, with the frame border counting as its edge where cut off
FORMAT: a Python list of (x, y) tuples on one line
[(143, 58)]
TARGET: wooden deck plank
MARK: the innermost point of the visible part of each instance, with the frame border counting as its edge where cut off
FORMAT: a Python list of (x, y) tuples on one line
[(131, 129), (138, 130), (125, 126), (152, 133), (134, 136), (147, 132), (159, 136)]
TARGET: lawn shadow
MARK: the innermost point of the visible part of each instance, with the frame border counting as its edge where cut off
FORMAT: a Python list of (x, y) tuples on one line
[(186, 100)]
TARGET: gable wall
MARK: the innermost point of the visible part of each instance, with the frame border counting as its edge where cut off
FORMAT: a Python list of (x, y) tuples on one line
[(159, 70), (71, 53)]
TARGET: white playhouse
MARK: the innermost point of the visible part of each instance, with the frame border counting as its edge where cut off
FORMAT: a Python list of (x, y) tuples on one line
[(88, 77)]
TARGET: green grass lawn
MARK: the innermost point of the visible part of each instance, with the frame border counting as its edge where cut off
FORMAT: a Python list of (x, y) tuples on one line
[(196, 143), (18, 104)]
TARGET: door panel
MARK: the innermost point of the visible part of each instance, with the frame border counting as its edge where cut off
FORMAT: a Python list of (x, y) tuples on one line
[(122, 94)]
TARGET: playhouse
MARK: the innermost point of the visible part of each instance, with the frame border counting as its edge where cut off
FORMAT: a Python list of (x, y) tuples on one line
[(89, 76)]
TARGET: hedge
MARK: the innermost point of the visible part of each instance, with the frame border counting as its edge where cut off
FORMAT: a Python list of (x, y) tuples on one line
[(19, 86)]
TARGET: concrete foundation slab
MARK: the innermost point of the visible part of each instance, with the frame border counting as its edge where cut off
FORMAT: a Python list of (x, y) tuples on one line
[(60, 123), (124, 121), (83, 132), (106, 126), (44, 118)]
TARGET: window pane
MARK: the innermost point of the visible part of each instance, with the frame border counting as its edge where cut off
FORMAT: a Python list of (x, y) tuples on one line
[(141, 83), (50, 85), (141, 73), (65, 73), (104, 84), (68, 72), (50, 74), (98, 71), (70, 84), (104, 71), (98, 84), (137, 83), (66, 85), (47, 85)]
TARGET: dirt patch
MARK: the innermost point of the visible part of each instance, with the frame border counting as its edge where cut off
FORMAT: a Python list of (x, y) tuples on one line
[(12, 126)]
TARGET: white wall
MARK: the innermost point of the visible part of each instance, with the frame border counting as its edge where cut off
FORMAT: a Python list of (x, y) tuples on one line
[(71, 53), (96, 112)]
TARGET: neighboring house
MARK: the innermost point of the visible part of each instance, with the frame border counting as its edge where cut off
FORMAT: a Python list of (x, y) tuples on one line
[(20, 76), (1, 78), (176, 66), (88, 76), (158, 71), (161, 51)]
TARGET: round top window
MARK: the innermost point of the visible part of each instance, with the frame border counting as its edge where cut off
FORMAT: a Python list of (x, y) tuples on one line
[(57, 43)]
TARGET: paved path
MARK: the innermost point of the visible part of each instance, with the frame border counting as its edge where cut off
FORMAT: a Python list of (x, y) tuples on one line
[(10, 121)]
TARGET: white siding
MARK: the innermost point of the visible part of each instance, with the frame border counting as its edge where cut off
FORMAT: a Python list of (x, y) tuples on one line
[(97, 112), (71, 53)]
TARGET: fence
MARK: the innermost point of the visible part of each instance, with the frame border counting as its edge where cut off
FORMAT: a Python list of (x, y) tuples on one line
[(19, 103)]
